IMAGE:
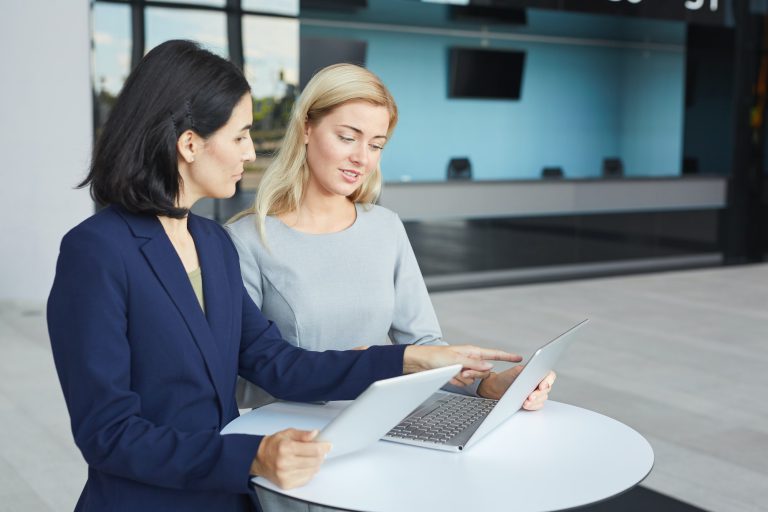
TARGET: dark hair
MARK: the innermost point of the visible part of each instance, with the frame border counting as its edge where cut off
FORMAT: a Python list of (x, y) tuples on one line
[(178, 86)]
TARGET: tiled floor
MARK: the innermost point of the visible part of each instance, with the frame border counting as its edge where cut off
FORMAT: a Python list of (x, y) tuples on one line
[(678, 356)]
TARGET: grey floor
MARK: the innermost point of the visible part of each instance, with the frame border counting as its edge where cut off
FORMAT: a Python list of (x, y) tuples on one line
[(679, 356)]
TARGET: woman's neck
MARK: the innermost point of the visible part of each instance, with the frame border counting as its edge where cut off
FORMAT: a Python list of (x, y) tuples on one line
[(176, 229), (182, 241), (319, 215)]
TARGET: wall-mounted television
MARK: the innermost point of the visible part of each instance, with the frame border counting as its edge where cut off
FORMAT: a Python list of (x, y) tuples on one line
[(319, 52), (483, 73)]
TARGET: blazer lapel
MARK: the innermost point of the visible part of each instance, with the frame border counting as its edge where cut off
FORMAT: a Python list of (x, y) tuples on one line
[(168, 269)]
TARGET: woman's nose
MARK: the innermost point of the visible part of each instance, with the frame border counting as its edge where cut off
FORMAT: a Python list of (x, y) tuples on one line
[(360, 156), (250, 155)]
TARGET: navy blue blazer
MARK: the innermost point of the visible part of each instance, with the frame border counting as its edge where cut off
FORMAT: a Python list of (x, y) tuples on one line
[(149, 379)]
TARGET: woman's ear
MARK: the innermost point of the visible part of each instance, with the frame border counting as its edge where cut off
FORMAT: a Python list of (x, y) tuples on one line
[(188, 146), (306, 131)]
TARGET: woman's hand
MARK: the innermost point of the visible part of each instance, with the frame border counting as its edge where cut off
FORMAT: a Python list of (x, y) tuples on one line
[(474, 360), (496, 384), (289, 458)]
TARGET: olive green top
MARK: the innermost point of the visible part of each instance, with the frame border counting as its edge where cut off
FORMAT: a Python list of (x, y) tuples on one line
[(196, 278)]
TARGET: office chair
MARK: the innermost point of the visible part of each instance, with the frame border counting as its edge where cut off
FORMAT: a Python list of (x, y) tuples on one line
[(613, 168), (459, 169), (690, 165), (552, 172)]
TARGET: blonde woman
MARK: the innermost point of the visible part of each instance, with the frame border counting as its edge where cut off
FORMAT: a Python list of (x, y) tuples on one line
[(328, 266)]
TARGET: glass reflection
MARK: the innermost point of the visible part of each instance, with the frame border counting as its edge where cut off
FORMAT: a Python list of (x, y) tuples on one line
[(214, 3), (287, 7), (111, 55), (271, 55), (208, 28)]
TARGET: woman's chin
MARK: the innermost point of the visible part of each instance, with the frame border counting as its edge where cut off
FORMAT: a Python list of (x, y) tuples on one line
[(224, 193)]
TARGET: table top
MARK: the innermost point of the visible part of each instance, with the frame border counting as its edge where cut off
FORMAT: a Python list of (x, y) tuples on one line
[(557, 458)]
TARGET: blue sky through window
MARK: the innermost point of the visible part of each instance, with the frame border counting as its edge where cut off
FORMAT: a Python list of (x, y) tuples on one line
[(287, 7), (215, 3), (208, 28), (112, 46), (271, 54)]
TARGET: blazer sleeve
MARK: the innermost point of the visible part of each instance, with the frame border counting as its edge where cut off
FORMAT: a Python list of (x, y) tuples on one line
[(292, 373), (296, 374), (87, 322)]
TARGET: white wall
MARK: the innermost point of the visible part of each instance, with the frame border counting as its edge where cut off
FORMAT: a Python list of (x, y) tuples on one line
[(45, 138)]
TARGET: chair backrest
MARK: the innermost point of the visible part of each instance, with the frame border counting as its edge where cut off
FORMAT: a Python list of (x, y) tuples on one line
[(613, 167), (459, 168), (690, 165), (552, 172)]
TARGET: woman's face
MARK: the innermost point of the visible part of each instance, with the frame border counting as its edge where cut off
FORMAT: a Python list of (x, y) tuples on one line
[(217, 163), (344, 147)]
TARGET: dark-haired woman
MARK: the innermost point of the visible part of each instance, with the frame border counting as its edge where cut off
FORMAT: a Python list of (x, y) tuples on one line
[(149, 320)]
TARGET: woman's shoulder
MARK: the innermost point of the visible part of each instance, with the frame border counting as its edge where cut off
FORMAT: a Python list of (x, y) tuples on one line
[(245, 235), (102, 239), (104, 226), (381, 221), (379, 214), (244, 227)]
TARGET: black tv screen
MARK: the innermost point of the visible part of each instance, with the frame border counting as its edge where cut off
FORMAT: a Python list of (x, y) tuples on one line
[(319, 52), (481, 73)]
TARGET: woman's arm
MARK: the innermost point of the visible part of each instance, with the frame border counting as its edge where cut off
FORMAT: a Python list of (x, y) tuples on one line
[(413, 319), (292, 373)]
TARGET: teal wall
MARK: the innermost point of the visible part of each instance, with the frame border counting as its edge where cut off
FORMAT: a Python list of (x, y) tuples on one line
[(582, 99), (652, 113)]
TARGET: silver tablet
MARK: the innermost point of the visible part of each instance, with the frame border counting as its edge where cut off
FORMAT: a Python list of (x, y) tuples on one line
[(381, 407)]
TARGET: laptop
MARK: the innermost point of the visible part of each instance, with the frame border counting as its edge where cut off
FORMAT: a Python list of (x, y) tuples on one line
[(453, 422), (380, 407)]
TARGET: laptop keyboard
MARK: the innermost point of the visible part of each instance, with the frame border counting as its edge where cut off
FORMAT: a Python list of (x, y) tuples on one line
[(443, 420)]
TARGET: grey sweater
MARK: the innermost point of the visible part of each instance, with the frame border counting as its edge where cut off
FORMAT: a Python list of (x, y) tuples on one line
[(338, 290), (360, 286)]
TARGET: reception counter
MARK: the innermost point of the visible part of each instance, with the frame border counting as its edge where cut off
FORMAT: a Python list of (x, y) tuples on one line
[(418, 201), (475, 233)]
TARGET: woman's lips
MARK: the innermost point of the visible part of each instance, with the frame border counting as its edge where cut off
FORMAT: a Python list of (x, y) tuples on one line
[(350, 175)]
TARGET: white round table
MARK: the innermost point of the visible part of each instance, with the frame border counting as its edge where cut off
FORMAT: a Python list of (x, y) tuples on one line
[(557, 458)]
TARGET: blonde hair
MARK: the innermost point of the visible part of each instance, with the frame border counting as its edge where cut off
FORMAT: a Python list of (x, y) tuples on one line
[(283, 184)]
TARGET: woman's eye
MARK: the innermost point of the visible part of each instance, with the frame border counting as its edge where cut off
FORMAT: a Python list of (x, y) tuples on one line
[(346, 139), (376, 147)]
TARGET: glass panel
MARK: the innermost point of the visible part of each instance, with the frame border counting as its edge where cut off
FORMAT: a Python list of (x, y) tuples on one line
[(208, 28), (453, 2), (288, 7), (599, 95), (271, 54), (215, 3), (111, 55)]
